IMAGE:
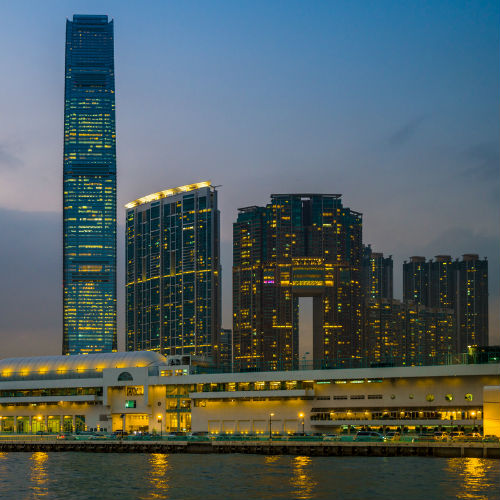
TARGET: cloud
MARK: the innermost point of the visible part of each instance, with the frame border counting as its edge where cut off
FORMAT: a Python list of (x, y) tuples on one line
[(406, 132), (482, 161), (7, 159)]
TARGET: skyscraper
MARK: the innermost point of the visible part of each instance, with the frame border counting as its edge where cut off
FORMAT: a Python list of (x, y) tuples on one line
[(471, 301), (89, 184), (416, 281), (460, 285), (377, 272), (173, 272), (299, 245)]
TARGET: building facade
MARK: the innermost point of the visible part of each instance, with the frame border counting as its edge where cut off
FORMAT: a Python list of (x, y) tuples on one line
[(408, 334), (173, 272), (377, 272), (460, 285), (299, 245), (89, 185), (143, 391), (471, 301)]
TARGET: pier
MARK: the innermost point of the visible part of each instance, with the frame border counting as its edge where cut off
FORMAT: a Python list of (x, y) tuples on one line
[(312, 448)]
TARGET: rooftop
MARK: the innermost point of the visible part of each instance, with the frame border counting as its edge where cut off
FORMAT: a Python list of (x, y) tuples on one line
[(80, 362), (167, 192)]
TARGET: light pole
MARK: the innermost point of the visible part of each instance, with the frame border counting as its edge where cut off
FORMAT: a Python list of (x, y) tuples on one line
[(301, 416), (271, 415), (160, 421)]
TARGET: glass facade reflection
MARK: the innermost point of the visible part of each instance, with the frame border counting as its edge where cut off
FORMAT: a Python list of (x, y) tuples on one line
[(173, 272), (89, 201)]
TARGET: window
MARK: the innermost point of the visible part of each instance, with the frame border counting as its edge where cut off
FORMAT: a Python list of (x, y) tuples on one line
[(130, 403), (124, 376), (135, 390)]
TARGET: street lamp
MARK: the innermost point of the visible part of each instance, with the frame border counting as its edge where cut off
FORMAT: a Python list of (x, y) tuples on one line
[(301, 416), (271, 415), (473, 414), (160, 421)]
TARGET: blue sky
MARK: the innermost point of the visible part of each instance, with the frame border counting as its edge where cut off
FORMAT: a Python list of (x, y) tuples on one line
[(394, 104)]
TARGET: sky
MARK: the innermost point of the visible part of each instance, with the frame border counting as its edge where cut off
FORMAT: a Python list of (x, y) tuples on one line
[(394, 104)]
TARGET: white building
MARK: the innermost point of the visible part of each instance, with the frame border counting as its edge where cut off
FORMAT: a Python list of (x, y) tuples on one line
[(145, 391)]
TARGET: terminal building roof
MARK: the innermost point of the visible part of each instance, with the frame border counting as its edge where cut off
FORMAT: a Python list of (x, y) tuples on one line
[(81, 362)]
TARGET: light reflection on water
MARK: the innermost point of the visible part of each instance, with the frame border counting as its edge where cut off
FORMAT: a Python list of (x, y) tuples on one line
[(38, 477), (474, 477), (158, 479), (96, 476), (302, 480)]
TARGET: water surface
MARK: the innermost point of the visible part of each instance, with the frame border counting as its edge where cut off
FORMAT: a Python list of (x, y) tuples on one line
[(85, 476)]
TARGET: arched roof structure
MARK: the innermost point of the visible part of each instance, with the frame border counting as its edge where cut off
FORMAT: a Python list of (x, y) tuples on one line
[(82, 362)]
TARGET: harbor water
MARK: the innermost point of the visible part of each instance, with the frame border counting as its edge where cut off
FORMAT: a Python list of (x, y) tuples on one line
[(82, 476)]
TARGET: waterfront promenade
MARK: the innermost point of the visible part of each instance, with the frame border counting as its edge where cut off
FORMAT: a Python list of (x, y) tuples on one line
[(266, 447)]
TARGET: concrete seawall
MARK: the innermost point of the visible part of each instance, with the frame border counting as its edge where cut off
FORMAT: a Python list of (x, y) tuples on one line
[(323, 449)]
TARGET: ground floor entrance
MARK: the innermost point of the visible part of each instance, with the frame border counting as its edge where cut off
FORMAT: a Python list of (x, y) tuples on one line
[(131, 422)]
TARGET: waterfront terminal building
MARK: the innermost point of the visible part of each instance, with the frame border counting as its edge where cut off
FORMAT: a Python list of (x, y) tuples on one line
[(145, 391)]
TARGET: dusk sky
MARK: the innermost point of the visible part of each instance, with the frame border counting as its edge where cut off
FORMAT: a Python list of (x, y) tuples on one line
[(394, 104)]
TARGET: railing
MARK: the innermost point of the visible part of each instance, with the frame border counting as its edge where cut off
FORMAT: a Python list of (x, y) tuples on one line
[(346, 363)]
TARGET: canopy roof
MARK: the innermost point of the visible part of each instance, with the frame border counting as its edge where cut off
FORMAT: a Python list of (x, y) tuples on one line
[(82, 362)]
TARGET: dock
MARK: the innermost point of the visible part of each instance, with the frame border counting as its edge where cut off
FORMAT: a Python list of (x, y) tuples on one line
[(266, 447)]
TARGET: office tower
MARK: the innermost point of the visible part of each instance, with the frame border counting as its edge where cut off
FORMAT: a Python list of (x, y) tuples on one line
[(471, 301), (89, 184), (173, 272), (299, 245), (377, 272), (416, 281)]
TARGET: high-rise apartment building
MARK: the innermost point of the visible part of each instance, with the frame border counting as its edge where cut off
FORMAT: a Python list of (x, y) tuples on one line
[(471, 301), (407, 334), (416, 280), (225, 347), (173, 272), (89, 185), (460, 285), (442, 282), (377, 272), (299, 245)]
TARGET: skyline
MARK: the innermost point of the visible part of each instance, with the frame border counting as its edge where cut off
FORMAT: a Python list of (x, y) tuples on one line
[(293, 120)]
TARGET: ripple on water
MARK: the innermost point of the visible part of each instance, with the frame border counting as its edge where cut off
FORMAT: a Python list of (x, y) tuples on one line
[(89, 476)]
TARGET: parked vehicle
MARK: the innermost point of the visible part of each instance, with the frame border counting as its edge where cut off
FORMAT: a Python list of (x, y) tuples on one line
[(490, 438), (441, 436), (332, 437), (393, 436), (369, 436), (457, 435), (64, 435)]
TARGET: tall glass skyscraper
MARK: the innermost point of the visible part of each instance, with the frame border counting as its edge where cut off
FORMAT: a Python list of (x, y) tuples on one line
[(173, 272), (89, 181)]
